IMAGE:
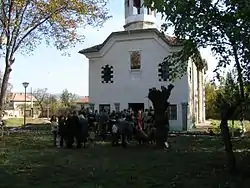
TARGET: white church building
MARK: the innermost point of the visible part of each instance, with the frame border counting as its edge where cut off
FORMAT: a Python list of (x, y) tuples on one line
[(125, 66)]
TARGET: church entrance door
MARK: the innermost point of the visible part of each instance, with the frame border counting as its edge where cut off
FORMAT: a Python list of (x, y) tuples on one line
[(136, 106), (105, 107)]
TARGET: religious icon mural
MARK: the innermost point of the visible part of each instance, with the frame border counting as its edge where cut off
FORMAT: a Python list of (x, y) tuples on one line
[(135, 60)]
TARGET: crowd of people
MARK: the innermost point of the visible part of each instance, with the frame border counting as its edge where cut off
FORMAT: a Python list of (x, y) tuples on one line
[(87, 126)]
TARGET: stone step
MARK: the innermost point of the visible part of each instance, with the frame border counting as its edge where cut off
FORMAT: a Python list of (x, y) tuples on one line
[(205, 124)]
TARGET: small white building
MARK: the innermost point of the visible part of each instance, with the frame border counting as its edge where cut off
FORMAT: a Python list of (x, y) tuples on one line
[(126, 65), (16, 103)]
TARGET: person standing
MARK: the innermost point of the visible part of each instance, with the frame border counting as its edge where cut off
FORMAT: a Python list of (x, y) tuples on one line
[(103, 118), (91, 119), (54, 129), (92, 136), (69, 131), (62, 130), (77, 131), (84, 129), (140, 121), (115, 135), (125, 129)]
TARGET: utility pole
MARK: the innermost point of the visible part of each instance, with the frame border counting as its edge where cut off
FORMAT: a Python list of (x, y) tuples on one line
[(32, 109)]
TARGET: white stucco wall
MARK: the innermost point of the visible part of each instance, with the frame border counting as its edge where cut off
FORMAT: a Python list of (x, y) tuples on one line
[(192, 104), (196, 113), (132, 87)]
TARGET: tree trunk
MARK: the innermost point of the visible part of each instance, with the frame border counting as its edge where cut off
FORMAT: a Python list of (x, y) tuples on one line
[(160, 136), (42, 109), (161, 130), (159, 99), (4, 86), (231, 161), (226, 113)]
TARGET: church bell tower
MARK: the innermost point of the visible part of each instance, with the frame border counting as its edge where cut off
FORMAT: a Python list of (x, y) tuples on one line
[(137, 16)]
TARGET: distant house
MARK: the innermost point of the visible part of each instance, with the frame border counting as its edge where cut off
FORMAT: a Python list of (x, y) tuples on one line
[(82, 101), (15, 106)]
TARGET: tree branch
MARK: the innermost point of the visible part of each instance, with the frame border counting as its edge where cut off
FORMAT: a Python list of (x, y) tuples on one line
[(34, 27), (7, 31), (9, 19), (16, 29), (4, 17), (12, 38)]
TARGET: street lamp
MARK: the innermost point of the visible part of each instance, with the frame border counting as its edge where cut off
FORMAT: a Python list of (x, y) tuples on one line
[(25, 85)]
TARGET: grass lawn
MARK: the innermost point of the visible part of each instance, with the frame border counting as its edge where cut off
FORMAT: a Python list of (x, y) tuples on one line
[(237, 123), (28, 160), (19, 121), (215, 125)]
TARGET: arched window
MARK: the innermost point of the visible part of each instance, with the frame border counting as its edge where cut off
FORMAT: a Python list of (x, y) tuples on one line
[(137, 5)]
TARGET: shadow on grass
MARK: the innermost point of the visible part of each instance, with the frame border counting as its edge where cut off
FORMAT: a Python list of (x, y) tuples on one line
[(29, 161)]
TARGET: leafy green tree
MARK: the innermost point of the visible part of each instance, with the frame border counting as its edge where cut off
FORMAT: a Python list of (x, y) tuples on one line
[(222, 25), (210, 100), (24, 24), (228, 90), (227, 93), (67, 99), (53, 104)]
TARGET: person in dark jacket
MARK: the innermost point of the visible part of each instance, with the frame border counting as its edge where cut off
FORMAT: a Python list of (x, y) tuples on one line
[(125, 129), (84, 129), (62, 130), (91, 119), (77, 131), (111, 121), (69, 131), (103, 119)]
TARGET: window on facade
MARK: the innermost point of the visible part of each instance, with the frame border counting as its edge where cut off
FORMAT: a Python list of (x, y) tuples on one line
[(137, 3), (137, 6), (148, 11), (117, 107), (104, 107), (135, 60), (10, 105), (172, 112), (165, 71), (92, 107)]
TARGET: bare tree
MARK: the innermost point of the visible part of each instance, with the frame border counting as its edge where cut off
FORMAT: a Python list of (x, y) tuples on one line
[(41, 96)]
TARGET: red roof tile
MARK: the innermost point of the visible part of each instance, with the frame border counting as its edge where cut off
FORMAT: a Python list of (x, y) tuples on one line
[(83, 99), (21, 97)]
